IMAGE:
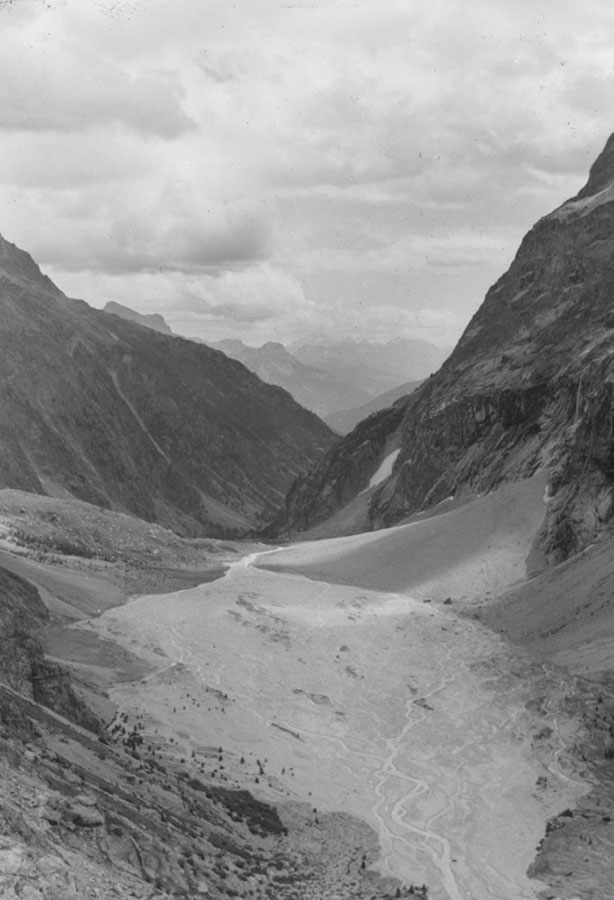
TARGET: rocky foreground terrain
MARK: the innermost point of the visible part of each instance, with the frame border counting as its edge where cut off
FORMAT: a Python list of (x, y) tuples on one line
[(100, 800), (528, 386), (88, 809)]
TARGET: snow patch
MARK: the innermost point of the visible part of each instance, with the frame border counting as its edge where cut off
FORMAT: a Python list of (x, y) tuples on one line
[(385, 469)]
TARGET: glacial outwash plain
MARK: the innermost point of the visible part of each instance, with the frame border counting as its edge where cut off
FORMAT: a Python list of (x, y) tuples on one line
[(250, 658)]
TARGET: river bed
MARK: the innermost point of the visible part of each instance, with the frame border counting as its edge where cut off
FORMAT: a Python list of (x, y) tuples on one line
[(419, 721)]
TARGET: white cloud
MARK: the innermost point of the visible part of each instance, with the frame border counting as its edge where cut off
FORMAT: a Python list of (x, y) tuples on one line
[(244, 164), (258, 303), (53, 81)]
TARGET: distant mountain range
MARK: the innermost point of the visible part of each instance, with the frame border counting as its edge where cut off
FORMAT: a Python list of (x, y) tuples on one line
[(530, 386), (372, 366), (326, 377), (340, 376), (99, 408), (312, 387)]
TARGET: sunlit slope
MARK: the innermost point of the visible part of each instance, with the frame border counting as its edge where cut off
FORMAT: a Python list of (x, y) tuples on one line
[(565, 614), (480, 546)]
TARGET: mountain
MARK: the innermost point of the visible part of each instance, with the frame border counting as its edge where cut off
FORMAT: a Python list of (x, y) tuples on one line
[(529, 386), (373, 368), (101, 409), (312, 387), (344, 420), (153, 320)]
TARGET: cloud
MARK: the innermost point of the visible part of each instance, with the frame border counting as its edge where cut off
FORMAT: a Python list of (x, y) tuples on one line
[(168, 231), (244, 164), (259, 301), (51, 83), (257, 304)]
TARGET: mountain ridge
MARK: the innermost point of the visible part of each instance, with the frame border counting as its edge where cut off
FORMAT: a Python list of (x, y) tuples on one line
[(107, 411), (345, 420), (313, 387), (528, 386), (149, 320)]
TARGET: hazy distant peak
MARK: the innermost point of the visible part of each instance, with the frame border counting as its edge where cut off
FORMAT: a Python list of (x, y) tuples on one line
[(151, 320), (229, 344)]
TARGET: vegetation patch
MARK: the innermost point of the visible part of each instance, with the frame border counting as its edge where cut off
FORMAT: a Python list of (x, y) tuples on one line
[(261, 818)]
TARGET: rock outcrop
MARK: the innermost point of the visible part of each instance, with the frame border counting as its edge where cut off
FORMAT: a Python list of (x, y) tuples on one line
[(101, 409), (530, 385), (23, 666)]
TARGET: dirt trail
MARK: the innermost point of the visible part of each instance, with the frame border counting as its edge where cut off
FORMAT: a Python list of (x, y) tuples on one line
[(420, 722)]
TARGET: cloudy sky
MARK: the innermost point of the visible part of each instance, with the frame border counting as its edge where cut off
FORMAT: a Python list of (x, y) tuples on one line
[(277, 170)]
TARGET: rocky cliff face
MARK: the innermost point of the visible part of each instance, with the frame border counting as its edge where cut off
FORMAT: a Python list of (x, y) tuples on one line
[(529, 385), (101, 409), (23, 666)]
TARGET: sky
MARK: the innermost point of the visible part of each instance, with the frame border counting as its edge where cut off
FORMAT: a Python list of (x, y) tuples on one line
[(295, 170)]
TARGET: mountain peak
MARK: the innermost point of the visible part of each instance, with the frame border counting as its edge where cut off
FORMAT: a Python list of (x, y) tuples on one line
[(151, 320), (274, 347), (19, 266), (601, 173)]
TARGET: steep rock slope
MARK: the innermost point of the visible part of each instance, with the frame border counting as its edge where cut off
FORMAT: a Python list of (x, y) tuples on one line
[(101, 409), (342, 475), (311, 386), (529, 385), (23, 666)]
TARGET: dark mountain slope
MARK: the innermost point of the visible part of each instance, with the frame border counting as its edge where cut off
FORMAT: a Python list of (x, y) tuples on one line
[(118, 415), (529, 385)]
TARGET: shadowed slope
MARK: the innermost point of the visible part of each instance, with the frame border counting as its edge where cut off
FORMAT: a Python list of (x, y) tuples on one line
[(101, 409)]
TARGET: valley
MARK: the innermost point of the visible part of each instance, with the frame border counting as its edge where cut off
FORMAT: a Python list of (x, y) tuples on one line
[(376, 691), (396, 706), (407, 691), (375, 704)]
